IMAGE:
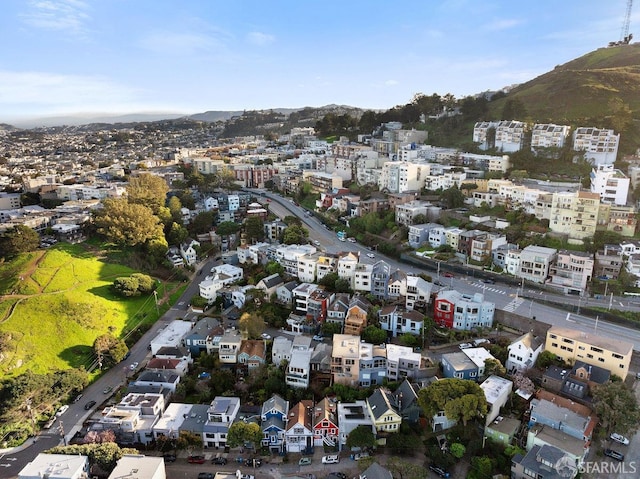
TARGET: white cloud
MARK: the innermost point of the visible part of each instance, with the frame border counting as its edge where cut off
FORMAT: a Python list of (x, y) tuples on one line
[(502, 24), (59, 15), (260, 39), (60, 92), (391, 82), (172, 43)]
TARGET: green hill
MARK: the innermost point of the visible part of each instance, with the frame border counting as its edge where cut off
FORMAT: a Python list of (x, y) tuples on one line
[(580, 91)]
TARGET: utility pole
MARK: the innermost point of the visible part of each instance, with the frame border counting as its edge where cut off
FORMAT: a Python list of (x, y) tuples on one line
[(610, 301), (155, 295)]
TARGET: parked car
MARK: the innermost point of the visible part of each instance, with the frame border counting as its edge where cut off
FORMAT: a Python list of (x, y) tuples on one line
[(196, 459), (304, 461), (359, 455), (246, 476), (465, 345), (331, 459), (447, 275), (619, 438), (265, 336), (89, 405), (479, 341), (169, 457), (316, 242), (337, 475), (107, 390), (351, 240), (488, 281), (205, 475), (220, 461), (133, 366), (371, 255), (439, 470), (318, 337), (62, 410), (77, 398), (614, 454)]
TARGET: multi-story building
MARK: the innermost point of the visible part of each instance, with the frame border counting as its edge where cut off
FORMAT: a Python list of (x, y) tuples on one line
[(618, 218), (299, 432), (600, 146), (610, 183), (456, 310), (229, 346), (405, 213), (221, 414), (398, 321), (510, 135), (402, 176), (351, 416), (575, 214), (608, 262), (321, 182), (345, 359), (535, 263), (571, 345), (274, 422), (380, 275), (325, 422), (523, 352), (288, 255), (548, 135), (417, 292), (383, 411), (419, 234), (403, 362), (481, 134), (571, 271), (347, 264), (356, 318)]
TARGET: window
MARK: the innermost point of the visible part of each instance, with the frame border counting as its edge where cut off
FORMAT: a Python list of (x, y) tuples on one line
[(555, 345)]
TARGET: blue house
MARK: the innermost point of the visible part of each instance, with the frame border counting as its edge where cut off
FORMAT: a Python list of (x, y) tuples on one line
[(458, 365), (274, 423), (199, 339)]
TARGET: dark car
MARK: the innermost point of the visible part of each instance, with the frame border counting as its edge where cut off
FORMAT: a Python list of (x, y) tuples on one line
[(169, 457), (89, 405), (255, 462), (618, 456), (438, 470), (196, 459), (220, 461), (205, 475), (337, 475), (488, 281)]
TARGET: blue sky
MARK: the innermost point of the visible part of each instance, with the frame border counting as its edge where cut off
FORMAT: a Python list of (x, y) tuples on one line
[(188, 56)]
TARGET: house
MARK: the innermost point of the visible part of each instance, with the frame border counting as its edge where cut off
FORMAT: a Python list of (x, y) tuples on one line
[(523, 352), (572, 271), (497, 391), (581, 380), (325, 423), (383, 411), (599, 350), (398, 321), (299, 433), (270, 284), (147, 467), (418, 293), (345, 359), (502, 430), (56, 466), (170, 423), (174, 365), (252, 354), (198, 339), (284, 293), (133, 418), (280, 350), (221, 276), (229, 346), (458, 365), (542, 462), (407, 402), (402, 362), (220, 415), (274, 414), (372, 367), (375, 471), (350, 416), (535, 263), (188, 251), (165, 379), (299, 368), (337, 310), (455, 310), (171, 335), (356, 319)]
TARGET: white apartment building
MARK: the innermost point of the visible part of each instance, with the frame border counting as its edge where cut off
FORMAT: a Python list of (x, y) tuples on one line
[(510, 135), (405, 213), (207, 166), (548, 135), (600, 146), (437, 236), (347, 265), (402, 176), (480, 133), (9, 201), (362, 278), (307, 267), (535, 263), (288, 255), (610, 183), (221, 275)]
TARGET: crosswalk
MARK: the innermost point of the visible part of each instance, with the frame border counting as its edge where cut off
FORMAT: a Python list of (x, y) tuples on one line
[(484, 287), (513, 304)]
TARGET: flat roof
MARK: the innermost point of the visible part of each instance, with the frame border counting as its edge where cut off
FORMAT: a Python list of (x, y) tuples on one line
[(599, 340)]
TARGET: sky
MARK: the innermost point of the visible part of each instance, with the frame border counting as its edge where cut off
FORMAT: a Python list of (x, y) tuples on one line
[(71, 57)]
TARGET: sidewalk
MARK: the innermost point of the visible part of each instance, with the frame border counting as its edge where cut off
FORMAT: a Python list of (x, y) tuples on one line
[(28, 443)]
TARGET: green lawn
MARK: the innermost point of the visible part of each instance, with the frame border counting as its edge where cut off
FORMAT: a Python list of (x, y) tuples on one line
[(55, 304)]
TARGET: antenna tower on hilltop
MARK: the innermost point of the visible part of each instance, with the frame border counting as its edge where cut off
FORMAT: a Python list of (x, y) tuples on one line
[(625, 36)]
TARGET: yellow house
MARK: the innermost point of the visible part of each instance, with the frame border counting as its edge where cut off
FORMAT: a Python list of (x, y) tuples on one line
[(570, 345), (382, 405)]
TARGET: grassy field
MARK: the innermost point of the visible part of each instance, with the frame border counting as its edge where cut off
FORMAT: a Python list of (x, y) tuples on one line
[(55, 302)]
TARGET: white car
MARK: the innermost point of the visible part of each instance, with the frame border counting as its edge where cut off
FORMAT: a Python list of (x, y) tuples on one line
[(316, 242), (351, 240), (62, 410), (133, 366), (265, 336), (465, 346), (371, 255), (331, 459), (317, 337), (619, 438)]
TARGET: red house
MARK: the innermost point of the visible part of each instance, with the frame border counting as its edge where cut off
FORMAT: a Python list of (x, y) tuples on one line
[(325, 423), (443, 312)]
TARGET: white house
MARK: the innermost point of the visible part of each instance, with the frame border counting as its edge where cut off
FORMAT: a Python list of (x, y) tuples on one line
[(497, 391), (220, 276), (188, 251), (299, 431), (523, 352), (220, 415), (171, 335), (56, 466)]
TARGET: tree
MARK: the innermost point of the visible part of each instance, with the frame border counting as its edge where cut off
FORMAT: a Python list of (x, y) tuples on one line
[(19, 239), (126, 223), (273, 267), (241, 432), (126, 286), (460, 399), (252, 324), (147, 190), (329, 329), (109, 349), (157, 248), (188, 440), (175, 208), (481, 468), (105, 455), (523, 383), (374, 335), (457, 450), (362, 437), (617, 407), (405, 469), (146, 284), (493, 366), (254, 229), (202, 222), (420, 219), (545, 359), (177, 234), (295, 234), (452, 198), (401, 444)]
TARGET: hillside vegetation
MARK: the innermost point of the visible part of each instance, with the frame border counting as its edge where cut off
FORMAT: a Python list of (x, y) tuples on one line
[(54, 303)]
